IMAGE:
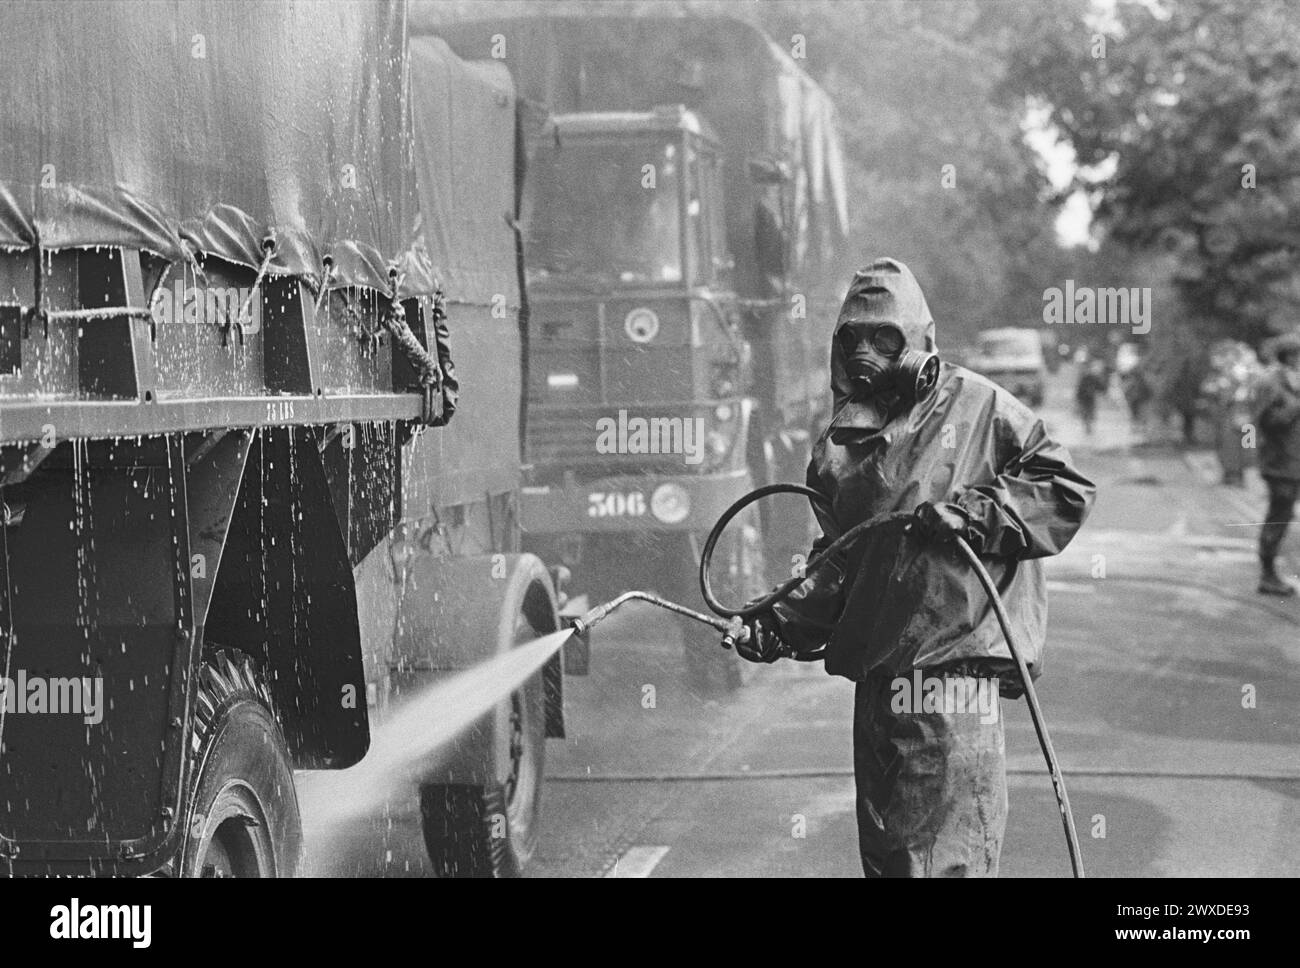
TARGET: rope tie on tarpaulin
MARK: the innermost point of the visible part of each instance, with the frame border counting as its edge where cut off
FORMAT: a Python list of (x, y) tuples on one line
[(156, 292), (77, 315), (86, 315), (327, 276), (427, 369), (244, 315)]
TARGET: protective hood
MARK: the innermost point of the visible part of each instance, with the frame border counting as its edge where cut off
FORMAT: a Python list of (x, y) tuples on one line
[(883, 292)]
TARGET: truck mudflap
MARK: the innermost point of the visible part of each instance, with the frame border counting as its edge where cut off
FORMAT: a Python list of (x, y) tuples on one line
[(686, 502)]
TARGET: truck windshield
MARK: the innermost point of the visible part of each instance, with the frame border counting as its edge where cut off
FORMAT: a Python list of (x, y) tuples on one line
[(602, 210)]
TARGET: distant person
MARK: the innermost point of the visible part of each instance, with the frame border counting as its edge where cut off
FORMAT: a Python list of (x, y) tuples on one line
[(1092, 384), (1278, 416), (1234, 370), (1182, 391), (1137, 394)]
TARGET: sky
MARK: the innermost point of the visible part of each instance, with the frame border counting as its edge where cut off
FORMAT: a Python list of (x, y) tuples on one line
[(1074, 222)]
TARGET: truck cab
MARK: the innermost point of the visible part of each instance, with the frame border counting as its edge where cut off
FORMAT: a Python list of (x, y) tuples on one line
[(638, 369)]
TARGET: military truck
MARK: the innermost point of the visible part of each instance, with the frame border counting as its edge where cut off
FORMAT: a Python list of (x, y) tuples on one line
[(240, 524), (681, 220)]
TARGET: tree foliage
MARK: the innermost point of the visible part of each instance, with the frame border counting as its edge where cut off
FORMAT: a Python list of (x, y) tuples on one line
[(1188, 136), (920, 87)]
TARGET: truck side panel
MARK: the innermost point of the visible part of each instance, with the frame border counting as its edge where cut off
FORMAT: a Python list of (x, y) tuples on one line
[(97, 652)]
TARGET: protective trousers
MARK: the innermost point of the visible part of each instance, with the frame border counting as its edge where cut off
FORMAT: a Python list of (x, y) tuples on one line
[(931, 785)]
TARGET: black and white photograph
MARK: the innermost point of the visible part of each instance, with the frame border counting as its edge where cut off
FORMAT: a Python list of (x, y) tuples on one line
[(622, 439)]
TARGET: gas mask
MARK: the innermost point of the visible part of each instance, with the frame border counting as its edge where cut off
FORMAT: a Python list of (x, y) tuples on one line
[(878, 361)]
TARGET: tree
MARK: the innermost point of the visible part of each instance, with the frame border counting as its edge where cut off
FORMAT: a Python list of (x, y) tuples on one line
[(940, 173), (1186, 131)]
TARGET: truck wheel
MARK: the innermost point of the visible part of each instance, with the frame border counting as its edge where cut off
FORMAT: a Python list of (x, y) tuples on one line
[(242, 815), (492, 831), (737, 577)]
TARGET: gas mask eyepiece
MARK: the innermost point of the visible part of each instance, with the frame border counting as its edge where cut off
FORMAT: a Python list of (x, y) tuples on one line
[(877, 360)]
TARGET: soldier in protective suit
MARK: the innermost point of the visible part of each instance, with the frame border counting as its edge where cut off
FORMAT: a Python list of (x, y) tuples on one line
[(961, 456)]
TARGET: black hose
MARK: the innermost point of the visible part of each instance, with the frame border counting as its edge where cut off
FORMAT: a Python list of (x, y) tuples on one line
[(1035, 711), (985, 580), (781, 592)]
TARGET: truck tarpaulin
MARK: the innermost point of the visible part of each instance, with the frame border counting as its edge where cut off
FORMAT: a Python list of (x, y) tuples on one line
[(464, 130), (465, 158), (144, 125)]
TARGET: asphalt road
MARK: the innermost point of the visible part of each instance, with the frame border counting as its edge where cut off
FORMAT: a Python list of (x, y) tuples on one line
[(1150, 670)]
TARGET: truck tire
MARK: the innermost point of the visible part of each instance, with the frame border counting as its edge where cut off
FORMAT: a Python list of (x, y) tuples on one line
[(242, 812), (492, 830)]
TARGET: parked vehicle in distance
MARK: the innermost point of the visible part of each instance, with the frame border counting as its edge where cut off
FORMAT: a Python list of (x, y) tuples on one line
[(1013, 358)]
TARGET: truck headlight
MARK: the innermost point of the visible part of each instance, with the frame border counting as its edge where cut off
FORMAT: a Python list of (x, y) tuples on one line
[(670, 503)]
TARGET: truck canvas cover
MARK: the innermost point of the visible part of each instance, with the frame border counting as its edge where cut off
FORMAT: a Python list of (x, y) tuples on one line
[(464, 159), (466, 163), (221, 124)]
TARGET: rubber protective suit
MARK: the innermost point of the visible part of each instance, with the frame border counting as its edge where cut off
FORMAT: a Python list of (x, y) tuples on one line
[(899, 609)]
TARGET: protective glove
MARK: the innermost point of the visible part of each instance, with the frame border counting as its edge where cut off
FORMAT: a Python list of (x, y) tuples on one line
[(764, 643), (940, 523)]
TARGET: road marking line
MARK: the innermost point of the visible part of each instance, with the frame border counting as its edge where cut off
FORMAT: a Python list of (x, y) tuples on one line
[(1031, 767), (637, 862)]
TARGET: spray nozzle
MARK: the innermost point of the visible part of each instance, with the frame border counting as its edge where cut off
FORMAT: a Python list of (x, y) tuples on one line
[(736, 634)]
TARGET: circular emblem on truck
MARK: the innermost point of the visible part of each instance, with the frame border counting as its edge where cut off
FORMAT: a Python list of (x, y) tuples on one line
[(670, 503), (641, 325)]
